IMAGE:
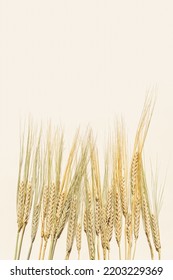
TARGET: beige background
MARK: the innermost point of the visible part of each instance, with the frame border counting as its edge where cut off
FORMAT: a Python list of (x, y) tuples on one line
[(80, 62)]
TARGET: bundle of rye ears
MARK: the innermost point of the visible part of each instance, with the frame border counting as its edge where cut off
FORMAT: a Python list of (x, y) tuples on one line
[(76, 199)]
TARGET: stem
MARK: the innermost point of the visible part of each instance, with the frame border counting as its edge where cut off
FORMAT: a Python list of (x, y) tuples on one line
[(51, 249), (54, 246), (119, 247), (98, 248), (159, 254), (129, 252), (109, 253), (30, 249), (44, 249), (21, 241), (40, 251), (134, 249), (151, 248), (125, 240), (42, 237), (41, 246), (78, 255), (17, 241)]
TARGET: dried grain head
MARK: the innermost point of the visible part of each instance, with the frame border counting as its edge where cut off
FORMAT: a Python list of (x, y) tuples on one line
[(28, 203), (71, 225), (97, 215), (137, 212), (35, 222), (129, 228), (118, 217), (20, 205), (50, 218), (155, 232), (78, 236)]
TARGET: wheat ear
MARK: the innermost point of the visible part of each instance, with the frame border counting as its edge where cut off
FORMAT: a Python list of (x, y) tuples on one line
[(45, 201), (154, 214), (129, 233), (78, 238), (137, 212), (35, 222), (97, 222), (110, 232), (90, 231), (20, 195), (146, 212), (103, 229), (79, 226), (26, 213), (26, 173), (20, 211), (109, 218), (71, 226), (50, 216), (156, 234), (118, 220), (147, 222), (95, 171), (85, 221), (90, 234)]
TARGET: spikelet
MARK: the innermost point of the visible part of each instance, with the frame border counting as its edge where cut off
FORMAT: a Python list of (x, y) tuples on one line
[(109, 206), (109, 217), (50, 211), (89, 200), (146, 215), (103, 230), (129, 228), (28, 203), (118, 218), (85, 222), (156, 233), (110, 229), (90, 234), (60, 206), (134, 172), (78, 237), (20, 205), (71, 226), (45, 200), (35, 222), (90, 229), (63, 217), (137, 209), (97, 215), (147, 222), (123, 194)]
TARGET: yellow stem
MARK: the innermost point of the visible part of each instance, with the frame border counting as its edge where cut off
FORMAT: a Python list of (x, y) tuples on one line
[(44, 249), (79, 255), (159, 254), (119, 247), (16, 249), (41, 246), (134, 251), (30, 249), (21, 241)]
